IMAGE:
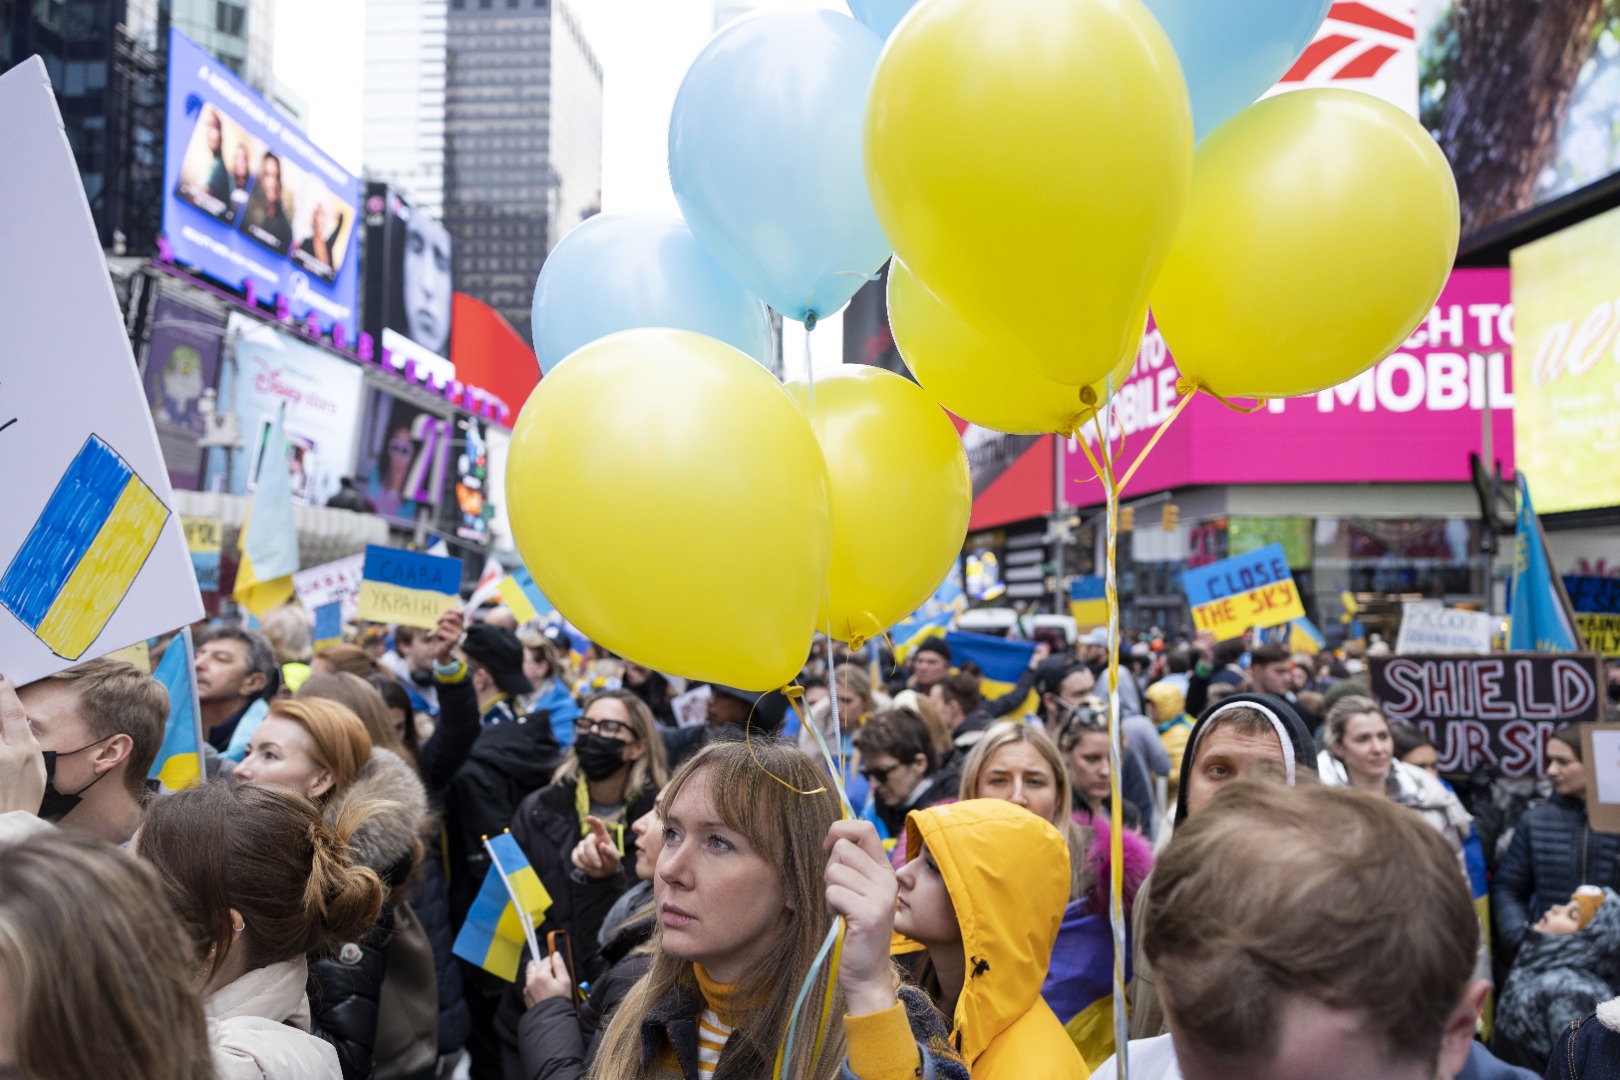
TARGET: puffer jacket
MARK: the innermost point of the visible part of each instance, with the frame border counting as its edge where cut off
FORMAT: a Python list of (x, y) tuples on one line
[(1556, 980), (1589, 1048), (1554, 851), (258, 1027), (1007, 873), (547, 827), (392, 965)]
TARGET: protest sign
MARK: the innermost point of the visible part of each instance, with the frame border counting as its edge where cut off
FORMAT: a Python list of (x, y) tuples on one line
[(139, 654), (334, 581), (692, 707), (1600, 745), (408, 587), (1597, 610), (1490, 710), (203, 541), (92, 556), (328, 625), (1251, 590), (1430, 627)]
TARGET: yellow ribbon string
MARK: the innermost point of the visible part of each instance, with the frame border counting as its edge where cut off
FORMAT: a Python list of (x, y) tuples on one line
[(1188, 385), (794, 694), (1186, 399)]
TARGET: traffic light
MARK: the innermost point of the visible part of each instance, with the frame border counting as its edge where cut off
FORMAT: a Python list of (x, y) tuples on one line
[(1127, 518), (1172, 515)]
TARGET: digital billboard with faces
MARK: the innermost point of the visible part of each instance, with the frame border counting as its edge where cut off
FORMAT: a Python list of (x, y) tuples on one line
[(408, 283), (250, 201)]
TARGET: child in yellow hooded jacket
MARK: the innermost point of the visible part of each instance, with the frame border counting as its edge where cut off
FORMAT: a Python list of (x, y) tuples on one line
[(983, 890)]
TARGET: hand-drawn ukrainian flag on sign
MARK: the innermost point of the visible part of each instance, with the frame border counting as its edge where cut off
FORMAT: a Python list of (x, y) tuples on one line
[(494, 933), (84, 551)]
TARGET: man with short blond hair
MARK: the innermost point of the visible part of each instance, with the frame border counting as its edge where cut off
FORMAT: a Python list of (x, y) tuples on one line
[(100, 725), (1310, 933)]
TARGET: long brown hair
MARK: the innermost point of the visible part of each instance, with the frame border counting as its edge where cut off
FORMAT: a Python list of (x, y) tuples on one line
[(267, 853), (95, 968), (750, 785), (361, 698)]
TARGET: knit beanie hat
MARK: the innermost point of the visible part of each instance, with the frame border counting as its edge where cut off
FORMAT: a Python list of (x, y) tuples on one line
[(1590, 898)]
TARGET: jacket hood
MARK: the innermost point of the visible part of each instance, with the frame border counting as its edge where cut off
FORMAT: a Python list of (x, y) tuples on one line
[(397, 813), (1299, 748), (1007, 872), (526, 751)]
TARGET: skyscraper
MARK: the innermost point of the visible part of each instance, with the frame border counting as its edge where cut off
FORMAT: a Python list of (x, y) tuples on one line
[(402, 134), (523, 143)]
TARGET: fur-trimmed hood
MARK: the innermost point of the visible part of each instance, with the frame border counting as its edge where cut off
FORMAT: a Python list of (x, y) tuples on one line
[(388, 839)]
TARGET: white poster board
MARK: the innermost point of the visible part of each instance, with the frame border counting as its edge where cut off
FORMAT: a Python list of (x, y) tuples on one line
[(92, 555), (333, 582), (1428, 627)]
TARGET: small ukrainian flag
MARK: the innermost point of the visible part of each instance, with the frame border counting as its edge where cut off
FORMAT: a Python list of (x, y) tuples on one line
[(523, 597), (84, 551), (1088, 600), (179, 760), (511, 903)]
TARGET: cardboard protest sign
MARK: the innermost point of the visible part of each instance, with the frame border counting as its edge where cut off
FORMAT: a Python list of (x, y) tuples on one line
[(337, 581), (92, 556), (1597, 610), (1430, 627), (1600, 750), (1252, 590), (408, 587), (1490, 710)]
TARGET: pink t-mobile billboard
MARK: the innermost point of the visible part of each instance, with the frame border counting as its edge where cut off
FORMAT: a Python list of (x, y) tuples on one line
[(1414, 417)]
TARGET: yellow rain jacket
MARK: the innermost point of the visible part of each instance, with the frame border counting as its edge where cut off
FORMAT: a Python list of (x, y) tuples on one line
[(1007, 872)]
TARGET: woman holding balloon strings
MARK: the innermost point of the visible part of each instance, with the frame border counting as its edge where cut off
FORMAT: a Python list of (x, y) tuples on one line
[(756, 865)]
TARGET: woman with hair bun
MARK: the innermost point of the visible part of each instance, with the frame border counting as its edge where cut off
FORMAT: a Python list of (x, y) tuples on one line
[(260, 881)]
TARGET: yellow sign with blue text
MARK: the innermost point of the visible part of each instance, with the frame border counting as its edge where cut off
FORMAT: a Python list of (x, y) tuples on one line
[(1252, 590), (408, 588)]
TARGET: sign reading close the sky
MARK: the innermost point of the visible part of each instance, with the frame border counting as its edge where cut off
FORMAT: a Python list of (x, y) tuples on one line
[(1252, 590), (249, 199), (92, 555), (408, 587)]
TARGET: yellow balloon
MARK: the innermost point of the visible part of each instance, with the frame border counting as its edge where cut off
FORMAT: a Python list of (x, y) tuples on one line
[(901, 495), (1029, 160), (671, 500), (1321, 229), (985, 381)]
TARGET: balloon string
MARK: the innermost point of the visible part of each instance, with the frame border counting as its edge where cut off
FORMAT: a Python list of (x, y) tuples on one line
[(1188, 385), (1186, 399), (1116, 910), (835, 935)]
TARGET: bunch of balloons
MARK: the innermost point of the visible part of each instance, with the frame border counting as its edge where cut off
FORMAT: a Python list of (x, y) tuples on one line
[(1042, 172), (677, 503), (1048, 169)]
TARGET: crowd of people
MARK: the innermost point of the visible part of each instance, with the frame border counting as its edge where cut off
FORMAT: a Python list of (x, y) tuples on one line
[(1300, 884)]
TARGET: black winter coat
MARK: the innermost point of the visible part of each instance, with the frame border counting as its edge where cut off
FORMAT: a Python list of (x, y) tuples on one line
[(547, 828), (507, 762), (431, 902), (1553, 852), (452, 740)]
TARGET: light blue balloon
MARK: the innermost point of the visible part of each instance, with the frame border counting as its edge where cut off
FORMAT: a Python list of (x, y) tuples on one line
[(881, 15), (1233, 51), (765, 157), (634, 271)]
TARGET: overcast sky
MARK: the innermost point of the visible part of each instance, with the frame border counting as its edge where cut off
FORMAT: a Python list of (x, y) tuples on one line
[(645, 47)]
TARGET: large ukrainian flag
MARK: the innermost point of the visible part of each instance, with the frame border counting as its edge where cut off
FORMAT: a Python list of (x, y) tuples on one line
[(269, 540), (179, 760), (84, 551), (1001, 661), (495, 931)]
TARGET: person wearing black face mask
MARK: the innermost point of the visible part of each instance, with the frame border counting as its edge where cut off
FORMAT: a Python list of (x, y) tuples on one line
[(609, 778), (99, 725)]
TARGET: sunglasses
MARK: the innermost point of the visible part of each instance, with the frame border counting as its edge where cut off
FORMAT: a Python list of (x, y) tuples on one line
[(878, 776)]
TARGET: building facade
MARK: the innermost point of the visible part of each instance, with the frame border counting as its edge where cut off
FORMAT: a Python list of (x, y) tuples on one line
[(402, 135), (523, 143)]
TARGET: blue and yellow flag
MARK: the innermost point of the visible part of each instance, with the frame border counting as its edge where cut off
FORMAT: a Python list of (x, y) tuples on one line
[(1079, 984), (1541, 617), (510, 904), (179, 762), (523, 597), (1001, 662), (269, 540), (1088, 602), (83, 551)]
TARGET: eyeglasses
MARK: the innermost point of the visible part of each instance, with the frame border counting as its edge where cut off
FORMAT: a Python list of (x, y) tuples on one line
[(878, 776), (613, 729)]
